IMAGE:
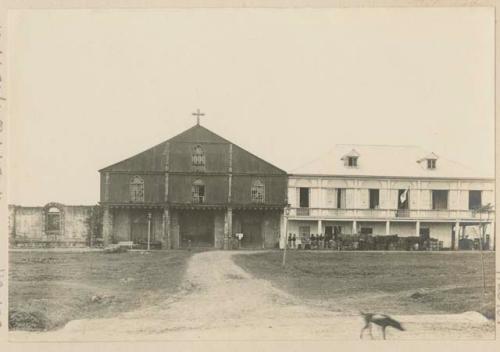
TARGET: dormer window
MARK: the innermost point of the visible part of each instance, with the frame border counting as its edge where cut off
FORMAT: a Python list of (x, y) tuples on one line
[(351, 159), (429, 162)]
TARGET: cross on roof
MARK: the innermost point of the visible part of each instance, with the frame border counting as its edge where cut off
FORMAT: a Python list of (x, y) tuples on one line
[(198, 114)]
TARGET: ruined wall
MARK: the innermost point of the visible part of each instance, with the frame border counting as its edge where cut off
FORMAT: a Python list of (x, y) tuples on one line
[(78, 226), (28, 223)]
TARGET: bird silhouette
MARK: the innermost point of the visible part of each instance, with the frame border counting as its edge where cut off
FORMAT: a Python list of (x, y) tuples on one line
[(382, 320)]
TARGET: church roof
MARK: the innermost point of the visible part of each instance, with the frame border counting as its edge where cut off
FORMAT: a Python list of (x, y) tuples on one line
[(385, 160), (153, 158)]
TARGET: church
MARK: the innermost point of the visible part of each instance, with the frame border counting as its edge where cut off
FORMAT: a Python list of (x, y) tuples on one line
[(196, 189)]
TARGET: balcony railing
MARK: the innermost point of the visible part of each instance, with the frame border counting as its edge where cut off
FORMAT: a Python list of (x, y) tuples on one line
[(389, 213), (302, 211), (403, 213)]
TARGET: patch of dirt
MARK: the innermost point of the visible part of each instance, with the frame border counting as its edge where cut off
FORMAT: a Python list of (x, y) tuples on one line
[(221, 301)]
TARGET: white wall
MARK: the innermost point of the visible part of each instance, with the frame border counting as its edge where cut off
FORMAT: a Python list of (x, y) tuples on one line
[(357, 195), (440, 231)]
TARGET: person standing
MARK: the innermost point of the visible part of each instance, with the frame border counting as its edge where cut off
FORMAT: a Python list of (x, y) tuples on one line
[(294, 238), (239, 236)]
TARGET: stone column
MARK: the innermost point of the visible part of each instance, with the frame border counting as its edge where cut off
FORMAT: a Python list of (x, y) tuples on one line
[(166, 242), (387, 228), (320, 227), (354, 227), (107, 226), (228, 227), (417, 229)]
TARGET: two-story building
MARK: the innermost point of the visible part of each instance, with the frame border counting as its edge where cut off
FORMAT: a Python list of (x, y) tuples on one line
[(388, 190), (195, 189)]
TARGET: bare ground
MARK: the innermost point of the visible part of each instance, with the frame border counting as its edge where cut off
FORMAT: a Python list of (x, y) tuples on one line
[(221, 301)]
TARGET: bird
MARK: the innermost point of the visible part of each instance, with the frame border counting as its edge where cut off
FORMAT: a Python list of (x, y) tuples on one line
[(381, 320)]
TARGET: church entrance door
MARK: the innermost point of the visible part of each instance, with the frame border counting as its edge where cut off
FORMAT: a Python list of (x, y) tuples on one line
[(197, 228), (251, 227), (139, 227)]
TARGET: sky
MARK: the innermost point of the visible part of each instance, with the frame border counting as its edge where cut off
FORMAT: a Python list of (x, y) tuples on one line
[(88, 88)]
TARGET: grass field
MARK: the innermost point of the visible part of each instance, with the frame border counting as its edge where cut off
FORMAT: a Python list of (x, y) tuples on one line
[(389, 282), (48, 289)]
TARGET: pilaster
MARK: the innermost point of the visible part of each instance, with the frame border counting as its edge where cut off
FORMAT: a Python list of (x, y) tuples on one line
[(166, 242), (107, 226)]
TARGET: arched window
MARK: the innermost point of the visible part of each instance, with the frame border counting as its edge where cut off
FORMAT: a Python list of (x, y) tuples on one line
[(198, 159), (137, 189), (53, 220), (258, 191), (198, 191)]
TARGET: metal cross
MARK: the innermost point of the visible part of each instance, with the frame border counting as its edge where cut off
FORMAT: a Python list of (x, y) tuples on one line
[(198, 114)]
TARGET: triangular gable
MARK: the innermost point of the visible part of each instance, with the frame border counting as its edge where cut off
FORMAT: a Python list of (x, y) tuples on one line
[(430, 156), (153, 159), (352, 154)]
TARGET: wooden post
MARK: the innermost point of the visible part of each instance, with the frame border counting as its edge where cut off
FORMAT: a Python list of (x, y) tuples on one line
[(166, 241), (228, 217), (481, 236), (149, 231), (228, 227), (287, 210)]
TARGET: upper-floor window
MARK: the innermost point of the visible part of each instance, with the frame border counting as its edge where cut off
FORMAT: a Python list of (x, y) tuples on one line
[(374, 198), (403, 199), (198, 192), (304, 197), (198, 158), (475, 200), (341, 198), (439, 199), (258, 192), (431, 163), (137, 189)]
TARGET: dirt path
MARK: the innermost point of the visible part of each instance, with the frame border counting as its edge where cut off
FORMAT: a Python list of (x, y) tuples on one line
[(221, 301)]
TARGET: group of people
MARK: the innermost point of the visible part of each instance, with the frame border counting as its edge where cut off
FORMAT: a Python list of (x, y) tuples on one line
[(313, 241)]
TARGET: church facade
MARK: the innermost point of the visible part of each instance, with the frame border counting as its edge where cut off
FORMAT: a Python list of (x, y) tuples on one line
[(195, 189)]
